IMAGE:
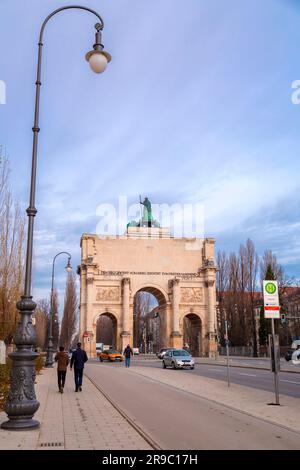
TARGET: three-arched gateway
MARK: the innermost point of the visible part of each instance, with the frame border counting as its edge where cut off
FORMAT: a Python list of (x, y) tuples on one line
[(179, 272)]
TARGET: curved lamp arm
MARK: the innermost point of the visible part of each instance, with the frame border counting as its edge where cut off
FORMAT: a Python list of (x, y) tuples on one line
[(31, 210), (78, 7), (62, 253)]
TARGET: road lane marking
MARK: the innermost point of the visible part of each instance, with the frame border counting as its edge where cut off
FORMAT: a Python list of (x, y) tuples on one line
[(216, 370), (290, 382), (248, 375)]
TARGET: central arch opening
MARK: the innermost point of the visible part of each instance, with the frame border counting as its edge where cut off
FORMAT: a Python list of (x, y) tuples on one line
[(106, 330), (192, 334), (148, 320)]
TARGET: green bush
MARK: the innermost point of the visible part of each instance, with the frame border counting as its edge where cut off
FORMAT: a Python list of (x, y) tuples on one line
[(4, 382), (39, 363)]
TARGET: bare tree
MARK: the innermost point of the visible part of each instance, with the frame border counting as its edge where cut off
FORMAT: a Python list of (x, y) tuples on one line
[(236, 286), (11, 254), (222, 287), (143, 303), (235, 302), (41, 322), (55, 320), (251, 262), (239, 291), (269, 261), (75, 340), (105, 331), (69, 319)]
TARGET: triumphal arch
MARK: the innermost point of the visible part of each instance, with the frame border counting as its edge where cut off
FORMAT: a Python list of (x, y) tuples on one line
[(179, 272)]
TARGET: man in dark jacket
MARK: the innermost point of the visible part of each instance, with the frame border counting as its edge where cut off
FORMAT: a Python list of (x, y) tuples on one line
[(62, 360), (79, 358), (127, 353)]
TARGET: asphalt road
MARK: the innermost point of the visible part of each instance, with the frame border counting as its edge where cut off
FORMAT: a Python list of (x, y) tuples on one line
[(178, 420), (289, 384), (261, 361)]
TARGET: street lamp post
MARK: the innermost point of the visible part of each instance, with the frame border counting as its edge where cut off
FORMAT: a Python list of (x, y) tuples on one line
[(49, 358), (22, 404)]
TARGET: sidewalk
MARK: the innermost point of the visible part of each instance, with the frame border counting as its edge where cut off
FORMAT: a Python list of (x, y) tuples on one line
[(83, 420)]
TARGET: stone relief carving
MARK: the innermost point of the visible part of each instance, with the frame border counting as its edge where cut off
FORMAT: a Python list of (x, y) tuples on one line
[(108, 293), (191, 295), (209, 263)]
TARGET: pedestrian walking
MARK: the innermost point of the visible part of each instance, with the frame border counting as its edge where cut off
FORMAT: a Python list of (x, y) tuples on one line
[(79, 358), (127, 353), (62, 360)]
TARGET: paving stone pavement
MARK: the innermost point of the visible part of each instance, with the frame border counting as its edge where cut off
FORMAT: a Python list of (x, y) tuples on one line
[(82, 420)]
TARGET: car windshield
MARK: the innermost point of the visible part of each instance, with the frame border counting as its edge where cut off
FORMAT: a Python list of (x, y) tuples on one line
[(112, 351), (181, 352)]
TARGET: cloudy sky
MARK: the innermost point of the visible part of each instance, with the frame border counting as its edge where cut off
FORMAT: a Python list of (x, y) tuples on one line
[(194, 107)]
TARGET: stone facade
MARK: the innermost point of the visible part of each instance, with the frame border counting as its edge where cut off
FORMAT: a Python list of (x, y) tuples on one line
[(180, 273)]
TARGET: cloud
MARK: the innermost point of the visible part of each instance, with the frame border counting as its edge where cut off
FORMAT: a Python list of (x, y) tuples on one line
[(194, 107)]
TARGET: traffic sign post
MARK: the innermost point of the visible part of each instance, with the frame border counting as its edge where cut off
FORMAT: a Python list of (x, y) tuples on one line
[(272, 312), (227, 351)]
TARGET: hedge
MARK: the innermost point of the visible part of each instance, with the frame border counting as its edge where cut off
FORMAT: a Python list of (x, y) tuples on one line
[(4, 382)]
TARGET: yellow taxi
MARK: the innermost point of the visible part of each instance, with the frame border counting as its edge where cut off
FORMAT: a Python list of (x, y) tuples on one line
[(110, 355)]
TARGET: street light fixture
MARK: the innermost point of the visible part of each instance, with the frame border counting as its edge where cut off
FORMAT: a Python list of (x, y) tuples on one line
[(98, 58), (49, 358), (22, 403), (69, 267)]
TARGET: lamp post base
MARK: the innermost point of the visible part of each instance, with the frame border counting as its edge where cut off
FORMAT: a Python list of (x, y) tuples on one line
[(21, 403), (49, 358), (19, 424), (48, 365)]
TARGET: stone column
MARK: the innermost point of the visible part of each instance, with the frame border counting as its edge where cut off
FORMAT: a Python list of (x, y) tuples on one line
[(89, 339), (176, 337), (89, 303), (125, 335), (211, 333)]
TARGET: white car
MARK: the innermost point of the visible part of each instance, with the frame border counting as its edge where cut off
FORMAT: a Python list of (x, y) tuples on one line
[(178, 359), (162, 352)]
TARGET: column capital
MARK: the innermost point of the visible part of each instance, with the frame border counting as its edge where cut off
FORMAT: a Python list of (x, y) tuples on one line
[(176, 334), (125, 334), (126, 281), (174, 282)]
